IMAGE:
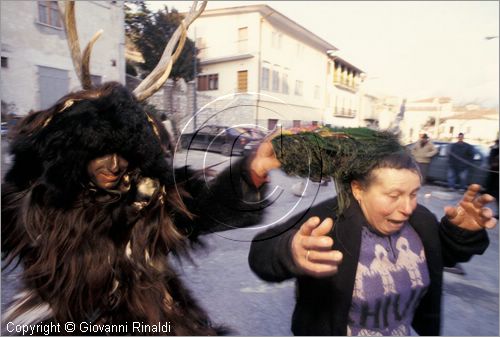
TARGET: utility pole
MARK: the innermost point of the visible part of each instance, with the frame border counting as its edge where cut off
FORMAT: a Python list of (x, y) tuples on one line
[(195, 107), (437, 103)]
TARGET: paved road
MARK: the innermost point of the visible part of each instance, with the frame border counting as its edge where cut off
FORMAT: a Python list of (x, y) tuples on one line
[(233, 295)]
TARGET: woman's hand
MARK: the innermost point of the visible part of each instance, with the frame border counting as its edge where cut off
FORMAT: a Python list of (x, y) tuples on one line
[(471, 213), (312, 248)]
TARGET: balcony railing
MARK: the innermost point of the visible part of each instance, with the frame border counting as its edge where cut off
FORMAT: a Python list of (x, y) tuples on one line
[(343, 112), (344, 84)]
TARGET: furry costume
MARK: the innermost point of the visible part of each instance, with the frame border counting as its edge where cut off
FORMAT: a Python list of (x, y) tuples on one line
[(95, 255)]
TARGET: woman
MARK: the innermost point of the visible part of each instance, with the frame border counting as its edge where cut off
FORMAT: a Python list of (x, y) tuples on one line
[(379, 269)]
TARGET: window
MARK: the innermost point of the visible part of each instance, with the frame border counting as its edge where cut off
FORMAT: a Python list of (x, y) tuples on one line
[(242, 81), (337, 74), (213, 82), (264, 83), (284, 83), (344, 106), (345, 78), (5, 62), (48, 13), (299, 88), (276, 81), (272, 123), (208, 82), (242, 39), (202, 82), (96, 80)]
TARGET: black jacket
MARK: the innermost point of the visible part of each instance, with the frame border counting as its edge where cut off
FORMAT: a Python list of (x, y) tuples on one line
[(460, 155), (323, 304)]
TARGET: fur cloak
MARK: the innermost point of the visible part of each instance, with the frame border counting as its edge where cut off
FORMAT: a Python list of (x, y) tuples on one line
[(100, 256)]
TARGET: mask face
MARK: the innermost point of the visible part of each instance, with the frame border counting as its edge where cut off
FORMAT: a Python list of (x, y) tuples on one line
[(107, 171)]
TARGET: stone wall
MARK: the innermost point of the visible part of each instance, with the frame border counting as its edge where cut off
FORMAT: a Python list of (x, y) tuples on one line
[(177, 102)]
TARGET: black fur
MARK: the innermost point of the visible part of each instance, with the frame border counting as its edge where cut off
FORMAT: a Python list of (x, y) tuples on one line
[(89, 254)]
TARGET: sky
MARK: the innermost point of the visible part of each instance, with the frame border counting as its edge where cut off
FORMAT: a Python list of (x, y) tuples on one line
[(410, 49)]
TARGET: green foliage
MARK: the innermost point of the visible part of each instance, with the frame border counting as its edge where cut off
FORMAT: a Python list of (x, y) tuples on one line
[(342, 154), (150, 32)]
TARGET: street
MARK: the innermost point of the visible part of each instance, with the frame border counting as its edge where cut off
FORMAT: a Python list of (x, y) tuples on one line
[(233, 296)]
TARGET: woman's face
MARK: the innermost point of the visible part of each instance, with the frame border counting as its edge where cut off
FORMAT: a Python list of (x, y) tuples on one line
[(390, 198), (107, 171)]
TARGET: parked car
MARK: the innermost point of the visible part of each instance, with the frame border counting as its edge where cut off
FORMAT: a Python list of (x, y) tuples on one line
[(5, 128), (8, 124), (224, 139), (438, 168)]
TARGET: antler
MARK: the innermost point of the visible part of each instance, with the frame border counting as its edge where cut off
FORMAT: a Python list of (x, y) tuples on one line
[(80, 62), (160, 73)]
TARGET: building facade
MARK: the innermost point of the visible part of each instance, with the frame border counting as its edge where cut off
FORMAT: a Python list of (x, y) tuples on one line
[(479, 125), (442, 120), (425, 115), (346, 106), (36, 65), (269, 70)]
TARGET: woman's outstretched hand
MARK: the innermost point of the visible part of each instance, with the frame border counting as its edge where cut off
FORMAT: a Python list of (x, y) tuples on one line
[(471, 213), (312, 248)]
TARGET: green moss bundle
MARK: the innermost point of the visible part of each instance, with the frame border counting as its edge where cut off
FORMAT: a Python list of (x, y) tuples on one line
[(342, 154)]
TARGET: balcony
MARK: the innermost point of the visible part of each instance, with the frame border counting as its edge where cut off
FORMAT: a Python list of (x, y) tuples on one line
[(344, 113), (344, 85)]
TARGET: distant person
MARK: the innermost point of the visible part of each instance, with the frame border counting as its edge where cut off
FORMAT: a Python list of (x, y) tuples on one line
[(460, 156), (423, 151)]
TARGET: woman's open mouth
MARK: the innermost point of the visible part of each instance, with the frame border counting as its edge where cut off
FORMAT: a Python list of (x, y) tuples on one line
[(397, 223)]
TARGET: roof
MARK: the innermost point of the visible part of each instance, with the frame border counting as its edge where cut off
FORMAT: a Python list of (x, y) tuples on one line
[(440, 100), (345, 63), (489, 114), (474, 108), (278, 20)]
